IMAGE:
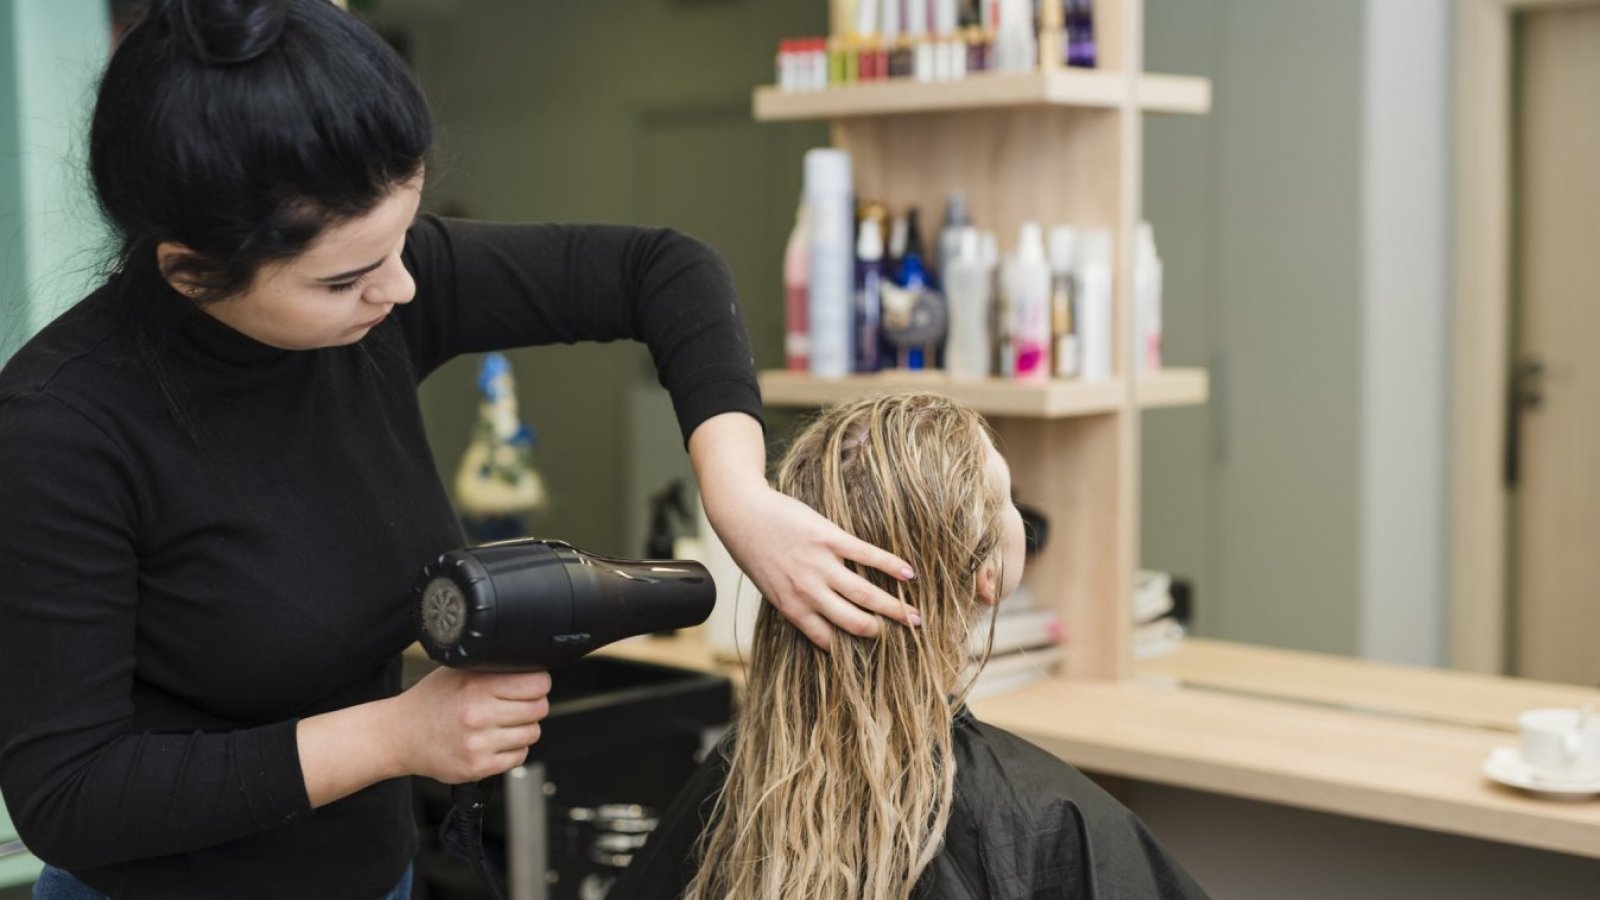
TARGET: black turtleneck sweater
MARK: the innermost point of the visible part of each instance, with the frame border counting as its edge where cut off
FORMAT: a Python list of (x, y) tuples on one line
[(204, 539)]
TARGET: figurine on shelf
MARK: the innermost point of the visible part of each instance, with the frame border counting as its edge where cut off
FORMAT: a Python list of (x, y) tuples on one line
[(497, 484)]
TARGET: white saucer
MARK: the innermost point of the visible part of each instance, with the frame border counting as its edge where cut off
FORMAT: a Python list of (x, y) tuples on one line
[(1506, 766)]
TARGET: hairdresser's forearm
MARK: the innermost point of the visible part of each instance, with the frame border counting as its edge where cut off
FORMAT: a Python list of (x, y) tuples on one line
[(346, 750), (729, 453)]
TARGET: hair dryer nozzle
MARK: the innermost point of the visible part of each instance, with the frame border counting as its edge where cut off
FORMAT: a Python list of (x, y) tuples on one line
[(537, 604)]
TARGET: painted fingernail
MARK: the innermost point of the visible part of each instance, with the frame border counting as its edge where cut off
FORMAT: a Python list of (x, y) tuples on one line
[(907, 574), (915, 619)]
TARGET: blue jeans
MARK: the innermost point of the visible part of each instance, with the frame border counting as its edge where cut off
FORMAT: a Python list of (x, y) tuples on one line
[(59, 884)]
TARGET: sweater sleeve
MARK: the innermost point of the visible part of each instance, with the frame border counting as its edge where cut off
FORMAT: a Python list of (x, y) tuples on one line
[(484, 286), (84, 786)]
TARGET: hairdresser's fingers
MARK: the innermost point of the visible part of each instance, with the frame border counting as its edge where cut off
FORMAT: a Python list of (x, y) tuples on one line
[(520, 686), (816, 629), (501, 763), (867, 595), (520, 713), (510, 740), (853, 548), (874, 599), (844, 614)]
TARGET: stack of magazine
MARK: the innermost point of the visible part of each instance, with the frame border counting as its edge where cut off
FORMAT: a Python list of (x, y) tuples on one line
[(1026, 647), (1156, 630)]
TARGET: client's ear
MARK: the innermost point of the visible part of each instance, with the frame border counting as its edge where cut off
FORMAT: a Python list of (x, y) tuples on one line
[(989, 583), (170, 256)]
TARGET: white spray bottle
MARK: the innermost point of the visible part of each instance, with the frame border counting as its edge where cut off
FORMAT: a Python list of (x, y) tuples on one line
[(969, 287), (1028, 286)]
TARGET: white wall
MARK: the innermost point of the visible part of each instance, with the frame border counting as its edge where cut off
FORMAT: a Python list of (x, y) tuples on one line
[(1406, 159)]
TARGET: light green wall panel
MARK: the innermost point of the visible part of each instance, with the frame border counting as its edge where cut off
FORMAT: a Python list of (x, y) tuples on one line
[(51, 240), (1258, 216), (15, 870), (616, 111), (52, 245)]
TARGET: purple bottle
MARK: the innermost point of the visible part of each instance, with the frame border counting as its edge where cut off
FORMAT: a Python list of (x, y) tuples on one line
[(1079, 19), (871, 273)]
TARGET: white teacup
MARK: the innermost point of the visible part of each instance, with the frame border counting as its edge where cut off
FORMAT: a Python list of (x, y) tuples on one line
[(1559, 745)]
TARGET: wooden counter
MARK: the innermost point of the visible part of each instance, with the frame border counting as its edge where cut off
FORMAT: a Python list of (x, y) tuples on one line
[(1381, 742)]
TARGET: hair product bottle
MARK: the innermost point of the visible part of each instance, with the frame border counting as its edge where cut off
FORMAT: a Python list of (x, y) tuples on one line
[(1028, 286), (1003, 359), (1147, 298), (1015, 49), (919, 339), (955, 219), (969, 289), (1063, 300), (832, 263), (871, 273), (1080, 44), (796, 276), (1094, 304)]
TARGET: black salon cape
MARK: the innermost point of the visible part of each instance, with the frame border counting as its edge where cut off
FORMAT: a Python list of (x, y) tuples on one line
[(1024, 824)]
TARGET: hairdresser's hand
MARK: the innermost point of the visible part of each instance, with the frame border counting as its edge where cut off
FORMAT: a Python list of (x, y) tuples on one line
[(466, 726), (796, 558)]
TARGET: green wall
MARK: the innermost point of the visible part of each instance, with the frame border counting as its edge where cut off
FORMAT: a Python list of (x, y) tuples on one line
[(1257, 209), (51, 51), (615, 111), (51, 241)]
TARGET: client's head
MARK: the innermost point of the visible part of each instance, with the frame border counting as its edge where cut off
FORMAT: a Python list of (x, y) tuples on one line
[(841, 775), (917, 475)]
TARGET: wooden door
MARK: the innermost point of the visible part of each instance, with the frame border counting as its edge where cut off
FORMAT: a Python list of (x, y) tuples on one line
[(1556, 377)]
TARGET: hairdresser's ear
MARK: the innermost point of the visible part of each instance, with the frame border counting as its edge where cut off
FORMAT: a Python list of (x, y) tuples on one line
[(989, 583), (170, 257)]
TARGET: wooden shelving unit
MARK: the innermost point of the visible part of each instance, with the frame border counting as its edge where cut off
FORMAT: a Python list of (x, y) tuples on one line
[(995, 396), (1053, 146), (1087, 88)]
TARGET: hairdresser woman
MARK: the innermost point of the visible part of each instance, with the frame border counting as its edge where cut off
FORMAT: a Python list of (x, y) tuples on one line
[(215, 487)]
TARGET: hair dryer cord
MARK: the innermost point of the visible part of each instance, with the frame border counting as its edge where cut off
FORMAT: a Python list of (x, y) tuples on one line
[(461, 835)]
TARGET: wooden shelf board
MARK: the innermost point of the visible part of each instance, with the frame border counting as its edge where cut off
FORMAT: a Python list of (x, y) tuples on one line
[(1065, 87), (993, 396)]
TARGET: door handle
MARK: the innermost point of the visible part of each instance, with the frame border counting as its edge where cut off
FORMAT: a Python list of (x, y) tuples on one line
[(1525, 393), (9, 849), (1530, 383)]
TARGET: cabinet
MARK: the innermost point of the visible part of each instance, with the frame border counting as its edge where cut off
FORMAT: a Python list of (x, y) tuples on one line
[(1053, 146)]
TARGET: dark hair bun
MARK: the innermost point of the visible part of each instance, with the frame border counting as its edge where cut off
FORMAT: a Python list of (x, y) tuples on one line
[(227, 32)]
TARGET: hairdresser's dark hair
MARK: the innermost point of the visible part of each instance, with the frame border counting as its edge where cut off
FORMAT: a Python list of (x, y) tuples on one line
[(243, 128)]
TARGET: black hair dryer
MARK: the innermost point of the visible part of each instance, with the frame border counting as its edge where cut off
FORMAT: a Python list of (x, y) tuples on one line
[(529, 605)]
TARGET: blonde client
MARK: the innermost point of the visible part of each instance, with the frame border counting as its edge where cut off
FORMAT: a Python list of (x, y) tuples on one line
[(859, 772)]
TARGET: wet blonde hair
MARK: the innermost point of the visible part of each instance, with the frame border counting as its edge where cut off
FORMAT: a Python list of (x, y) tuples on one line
[(840, 776)]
